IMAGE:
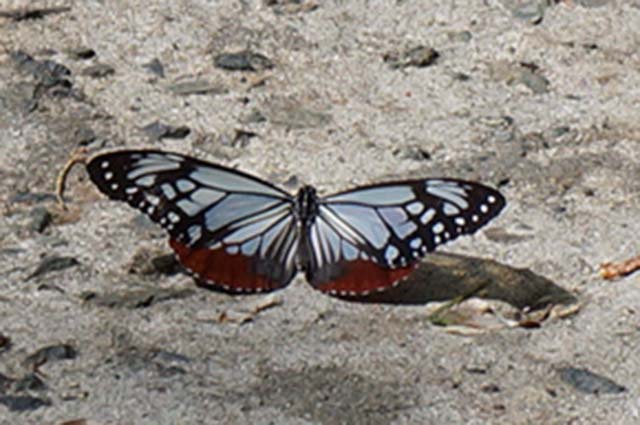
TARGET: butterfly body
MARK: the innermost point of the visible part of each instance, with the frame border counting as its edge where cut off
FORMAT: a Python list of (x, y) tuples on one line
[(305, 211), (239, 233)]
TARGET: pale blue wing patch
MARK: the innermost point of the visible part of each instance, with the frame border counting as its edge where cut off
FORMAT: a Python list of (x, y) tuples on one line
[(328, 245), (391, 254), (448, 190), (378, 196), (231, 182), (340, 226), (450, 209), (195, 232), (146, 181), (206, 197), (398, 221), (152, 166), (185, 185), (415, 207), (189, 207), (250, 247), (236, 206), (349, 252), (272, 237), (259, 224), (168, 191), (365, 221)]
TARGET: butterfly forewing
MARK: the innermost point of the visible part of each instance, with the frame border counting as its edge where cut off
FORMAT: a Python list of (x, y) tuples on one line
[(369, 238), (232, 230)]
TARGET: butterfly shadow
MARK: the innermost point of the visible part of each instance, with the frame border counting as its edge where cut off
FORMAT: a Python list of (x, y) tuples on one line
[(444, 276)]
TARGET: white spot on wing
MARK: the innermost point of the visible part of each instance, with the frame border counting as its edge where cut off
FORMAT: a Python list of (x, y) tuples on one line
[(146, 181), (173, 217), (168, 191), (438, 228), (185, 185), (427, 216), (195, 233), (450, 209), (391, 253), (415, 208), (152, 199)]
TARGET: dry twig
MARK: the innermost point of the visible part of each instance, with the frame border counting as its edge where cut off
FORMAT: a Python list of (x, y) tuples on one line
[(611, 271), (77, 156)]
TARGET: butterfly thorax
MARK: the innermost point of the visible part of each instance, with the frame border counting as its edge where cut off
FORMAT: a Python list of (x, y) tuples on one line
[(306, 206)]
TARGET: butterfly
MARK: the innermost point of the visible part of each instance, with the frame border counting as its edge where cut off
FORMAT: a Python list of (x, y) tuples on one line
[(238, 233)]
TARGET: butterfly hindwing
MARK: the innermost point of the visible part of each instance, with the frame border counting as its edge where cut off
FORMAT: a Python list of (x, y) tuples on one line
[(231, 230), (369, 238)]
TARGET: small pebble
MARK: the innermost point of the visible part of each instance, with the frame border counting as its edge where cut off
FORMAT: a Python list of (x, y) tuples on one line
[(52, 263), (40, 218), (99, 70), (586, 381), (242, 61), (155, 67)]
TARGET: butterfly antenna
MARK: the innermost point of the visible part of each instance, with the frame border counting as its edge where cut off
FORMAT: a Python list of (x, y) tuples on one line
[(77, 156)]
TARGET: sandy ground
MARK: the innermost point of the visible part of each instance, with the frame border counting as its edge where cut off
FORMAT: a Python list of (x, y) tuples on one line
[(539, 100)]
